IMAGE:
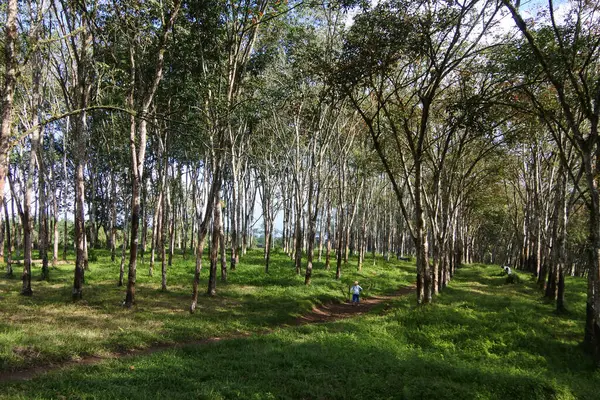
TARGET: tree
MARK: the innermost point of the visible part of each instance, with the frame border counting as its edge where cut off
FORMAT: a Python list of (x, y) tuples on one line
[(396, 87), (567, 53), (8, 91), (138, 136)]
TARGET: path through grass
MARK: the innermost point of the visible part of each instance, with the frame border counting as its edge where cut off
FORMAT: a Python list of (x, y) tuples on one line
[(481, 339), (49, 328)]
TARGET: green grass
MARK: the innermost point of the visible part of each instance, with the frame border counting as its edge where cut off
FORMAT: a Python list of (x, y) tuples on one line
[(481, 339), (48, 327)]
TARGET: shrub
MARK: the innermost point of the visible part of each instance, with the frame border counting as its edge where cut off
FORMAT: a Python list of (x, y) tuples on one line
[(513, 278), (92, 255)]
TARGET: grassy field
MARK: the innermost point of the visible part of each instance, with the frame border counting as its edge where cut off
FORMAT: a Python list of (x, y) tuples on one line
[(48, 327), (482, 339)]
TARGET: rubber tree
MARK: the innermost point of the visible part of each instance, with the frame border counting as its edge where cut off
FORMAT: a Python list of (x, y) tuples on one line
[(567, 53), (139, 131), (395, 88)]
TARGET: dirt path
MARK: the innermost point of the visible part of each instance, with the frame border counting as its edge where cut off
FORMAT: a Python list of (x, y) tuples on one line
[(335, 311), (325, 313)]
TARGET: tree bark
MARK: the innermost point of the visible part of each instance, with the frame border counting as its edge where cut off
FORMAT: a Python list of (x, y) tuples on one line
[(10, 79), (123, 247), (203, 229), (9, 245), (138, 147), (214, 248)]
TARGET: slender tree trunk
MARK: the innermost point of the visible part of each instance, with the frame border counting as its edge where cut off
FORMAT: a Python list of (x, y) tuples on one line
[(340, 243), (362, 237), (136, 171), (37, 153), (93, 229), (156, 229), (561, 243), (9, 244), (10, 79), (328, 233), (233, 213), (123, 247), (222, 247), (2, 236), (55, 233), (202, 231), (43, 228), (214, 249), (26, 218), (113, 217), (313, 208), (77, 293), (172, 204), (138, 147), (186, 218), (436, 265), (267, 219), (163, 227), (421, 244), (298, 241)]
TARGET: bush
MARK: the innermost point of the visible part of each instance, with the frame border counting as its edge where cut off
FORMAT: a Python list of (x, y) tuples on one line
[(92, 255), (513, 278)]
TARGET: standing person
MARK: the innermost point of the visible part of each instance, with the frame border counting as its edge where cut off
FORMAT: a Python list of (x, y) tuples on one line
[(356, 289)]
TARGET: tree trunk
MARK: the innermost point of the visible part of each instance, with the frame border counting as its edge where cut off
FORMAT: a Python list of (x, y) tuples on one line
[(222, 246), (328, 233), (166, 210), (214, 249), (123, 248), (10, 79), (79, 207), (138, 147), (172, 205), (203, 229), (267, 219), (55, 233), (339, 243), (314, 195), (233, 213), (136, 171), (113, 217), (9, 245), (77, 292), (421, 245)]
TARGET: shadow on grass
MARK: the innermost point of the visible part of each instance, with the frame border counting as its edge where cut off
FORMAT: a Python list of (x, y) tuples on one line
[(292, 365), (481, 339)]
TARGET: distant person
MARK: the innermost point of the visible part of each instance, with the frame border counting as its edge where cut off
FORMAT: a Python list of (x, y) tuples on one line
[(507, 270), (356, 289)]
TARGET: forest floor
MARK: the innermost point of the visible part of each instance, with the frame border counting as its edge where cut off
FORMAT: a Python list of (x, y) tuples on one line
[(319, 314), (271, 337), (47, 331)]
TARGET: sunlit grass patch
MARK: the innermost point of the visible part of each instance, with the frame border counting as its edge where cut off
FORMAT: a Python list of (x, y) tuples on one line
[(498, 342), (48, 327)]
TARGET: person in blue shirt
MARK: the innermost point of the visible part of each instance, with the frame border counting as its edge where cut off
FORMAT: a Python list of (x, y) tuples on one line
[(356, 289)]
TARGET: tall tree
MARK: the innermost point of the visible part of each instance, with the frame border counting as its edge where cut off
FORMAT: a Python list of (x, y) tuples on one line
[(138, 135), (568, 54)]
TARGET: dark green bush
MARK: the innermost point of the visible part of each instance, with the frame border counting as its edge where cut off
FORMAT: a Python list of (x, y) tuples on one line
[(513, 278), (92, 255)]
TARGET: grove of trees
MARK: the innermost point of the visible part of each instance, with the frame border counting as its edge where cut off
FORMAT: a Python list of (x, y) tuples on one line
[(451, 132)]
